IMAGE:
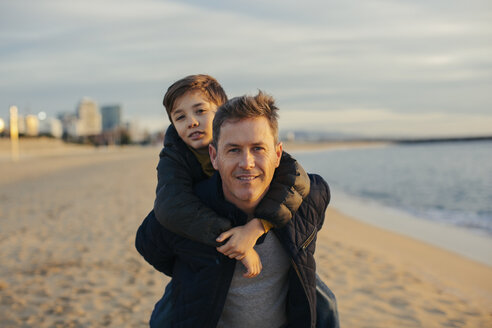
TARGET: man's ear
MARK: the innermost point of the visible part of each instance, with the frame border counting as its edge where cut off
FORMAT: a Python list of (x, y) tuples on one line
[(278, 152), (213, 155)]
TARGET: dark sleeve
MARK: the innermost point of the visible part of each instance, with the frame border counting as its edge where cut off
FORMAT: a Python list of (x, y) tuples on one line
[(290, 185), (320, 197), (153, 244), (176, 206)]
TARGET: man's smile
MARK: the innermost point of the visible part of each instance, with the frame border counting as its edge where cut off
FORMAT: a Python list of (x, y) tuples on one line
[(247, 177)]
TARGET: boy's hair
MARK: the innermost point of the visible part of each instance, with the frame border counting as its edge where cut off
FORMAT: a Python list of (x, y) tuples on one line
[(238, 108), (204, 83)]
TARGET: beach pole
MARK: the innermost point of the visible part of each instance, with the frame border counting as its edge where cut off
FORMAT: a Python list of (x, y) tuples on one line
[(14, 133)]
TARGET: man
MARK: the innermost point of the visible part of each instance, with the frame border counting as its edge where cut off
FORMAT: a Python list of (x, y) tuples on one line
[(207, 288)]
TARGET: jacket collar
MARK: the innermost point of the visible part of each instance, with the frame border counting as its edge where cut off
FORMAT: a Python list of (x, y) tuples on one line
[(172, 138), (210, 192)]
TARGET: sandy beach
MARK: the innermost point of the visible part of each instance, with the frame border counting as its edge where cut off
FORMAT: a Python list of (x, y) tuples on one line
[(68, 222)]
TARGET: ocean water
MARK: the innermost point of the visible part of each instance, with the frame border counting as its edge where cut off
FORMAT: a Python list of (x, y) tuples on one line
[(444, 182)]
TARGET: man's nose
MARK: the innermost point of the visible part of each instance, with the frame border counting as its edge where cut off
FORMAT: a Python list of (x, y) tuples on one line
[(247, 161)]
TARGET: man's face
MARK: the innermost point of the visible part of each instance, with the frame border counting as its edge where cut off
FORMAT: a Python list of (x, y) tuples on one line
[(246, 158), (192, 117)]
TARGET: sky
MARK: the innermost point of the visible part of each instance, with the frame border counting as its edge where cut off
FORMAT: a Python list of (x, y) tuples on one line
[(371, 68)]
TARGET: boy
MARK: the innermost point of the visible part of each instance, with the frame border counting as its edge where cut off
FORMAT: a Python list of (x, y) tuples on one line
[(191, 104)]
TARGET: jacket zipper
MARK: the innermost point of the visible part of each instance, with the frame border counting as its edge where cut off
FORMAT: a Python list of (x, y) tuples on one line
[(304, 245), (309, 239), (294, 265), (296, 269)]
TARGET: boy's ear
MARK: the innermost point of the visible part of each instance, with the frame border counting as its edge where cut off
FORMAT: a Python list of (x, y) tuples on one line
[(213, 155)]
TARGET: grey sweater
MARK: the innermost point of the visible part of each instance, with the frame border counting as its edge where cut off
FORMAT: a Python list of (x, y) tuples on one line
[(261, 301)]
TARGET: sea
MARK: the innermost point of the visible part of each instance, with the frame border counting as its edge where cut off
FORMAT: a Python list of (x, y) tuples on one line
[(449, 183)]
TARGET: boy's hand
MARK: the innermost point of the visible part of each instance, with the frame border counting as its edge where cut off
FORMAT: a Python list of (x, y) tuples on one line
[(241, 239), (252, 263)]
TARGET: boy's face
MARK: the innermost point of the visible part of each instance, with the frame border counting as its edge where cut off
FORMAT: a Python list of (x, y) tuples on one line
[(192, 117)]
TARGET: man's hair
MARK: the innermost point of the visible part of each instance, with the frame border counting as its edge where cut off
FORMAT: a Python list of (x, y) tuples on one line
[(206, 84), (239, 108)]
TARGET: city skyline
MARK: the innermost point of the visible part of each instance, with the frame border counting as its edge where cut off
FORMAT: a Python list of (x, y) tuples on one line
[(378, 68)]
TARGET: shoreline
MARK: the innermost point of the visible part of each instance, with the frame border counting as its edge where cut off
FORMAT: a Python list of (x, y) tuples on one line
[(459, 240)]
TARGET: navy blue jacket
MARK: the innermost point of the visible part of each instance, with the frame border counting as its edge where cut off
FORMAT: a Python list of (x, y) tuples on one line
[(201, 276), (178, 209)]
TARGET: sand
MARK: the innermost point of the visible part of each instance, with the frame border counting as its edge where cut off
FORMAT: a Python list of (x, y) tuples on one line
[(383, 279), (68, 224)]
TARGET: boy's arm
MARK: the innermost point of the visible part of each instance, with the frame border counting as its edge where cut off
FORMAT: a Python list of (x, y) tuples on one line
[(241, 239), (252, 264), (176, 206), (290, 185)]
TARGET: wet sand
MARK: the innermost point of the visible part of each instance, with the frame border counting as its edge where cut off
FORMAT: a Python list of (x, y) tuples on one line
[(68, 224)]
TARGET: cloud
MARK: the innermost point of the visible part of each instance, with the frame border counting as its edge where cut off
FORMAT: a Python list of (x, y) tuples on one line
[(401, 56)]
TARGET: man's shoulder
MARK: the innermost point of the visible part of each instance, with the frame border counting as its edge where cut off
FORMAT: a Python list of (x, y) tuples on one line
[(151, 232), (310, 216), (152, 238), (319, 192), (314, 205)]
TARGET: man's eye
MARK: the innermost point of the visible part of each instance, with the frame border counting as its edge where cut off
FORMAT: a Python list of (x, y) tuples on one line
[(258, 148), (233, 150)]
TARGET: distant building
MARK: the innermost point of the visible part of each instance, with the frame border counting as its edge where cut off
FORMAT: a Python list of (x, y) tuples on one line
[(89, 118), (21, 121), (135, 133), (69, 123), (51, 127), (32, 125), (2, 125), (111, 117)]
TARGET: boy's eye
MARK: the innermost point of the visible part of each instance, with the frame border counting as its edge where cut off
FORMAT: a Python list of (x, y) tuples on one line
[(180, 117), (201, 111)]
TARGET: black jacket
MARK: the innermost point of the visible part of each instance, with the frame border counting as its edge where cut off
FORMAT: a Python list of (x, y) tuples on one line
[(178, 209), (201, 276)]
